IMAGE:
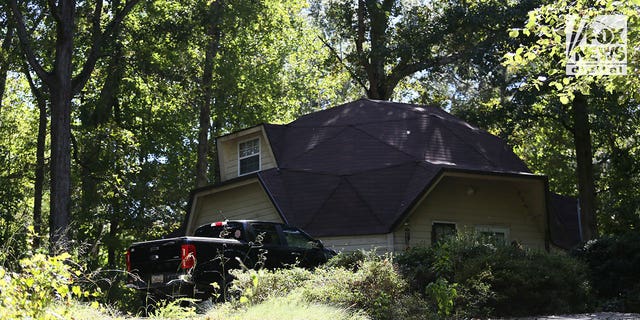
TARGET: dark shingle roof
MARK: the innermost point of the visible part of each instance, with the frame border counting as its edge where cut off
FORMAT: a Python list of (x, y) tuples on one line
[(356, 168)]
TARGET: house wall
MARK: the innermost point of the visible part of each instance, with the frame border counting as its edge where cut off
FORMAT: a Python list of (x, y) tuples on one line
[(228, 151), (379, 242), (246, 201), (471, 201)]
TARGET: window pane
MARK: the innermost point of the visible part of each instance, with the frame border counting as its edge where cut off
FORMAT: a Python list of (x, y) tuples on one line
[(441, 231), (266, 234), (231, 230), (250, 164), (494, 236), (297, 239), (249, 148)]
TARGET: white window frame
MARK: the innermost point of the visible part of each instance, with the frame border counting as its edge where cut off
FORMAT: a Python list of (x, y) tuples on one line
[(249, 156), (494, 229)]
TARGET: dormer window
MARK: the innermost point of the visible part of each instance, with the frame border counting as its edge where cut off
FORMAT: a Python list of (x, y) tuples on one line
[(248, 156)]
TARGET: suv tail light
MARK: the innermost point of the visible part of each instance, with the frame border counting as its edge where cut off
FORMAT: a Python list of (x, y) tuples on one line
[(128, 259), (188, 256)]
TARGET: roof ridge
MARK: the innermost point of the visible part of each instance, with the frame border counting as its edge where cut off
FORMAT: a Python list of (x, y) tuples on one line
[(362, 199), (471, 146), (314, 215)]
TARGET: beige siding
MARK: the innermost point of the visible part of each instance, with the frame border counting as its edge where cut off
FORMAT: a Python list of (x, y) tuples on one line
[(243, 202), (380, 242), (229, 153), (473, 202)]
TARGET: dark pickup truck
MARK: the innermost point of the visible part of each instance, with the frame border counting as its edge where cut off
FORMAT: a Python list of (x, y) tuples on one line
[(187, 266)]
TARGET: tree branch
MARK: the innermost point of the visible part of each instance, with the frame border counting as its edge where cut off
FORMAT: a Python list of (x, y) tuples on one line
[(351, 72), (403, 69), (26, 45), (96, 47), (37, 93)]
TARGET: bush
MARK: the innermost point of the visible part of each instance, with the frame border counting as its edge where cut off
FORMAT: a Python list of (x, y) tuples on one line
[(484, 278), (613, 263), (371, 283), (256, 286), (42, 282), (375, 287), (349, 260)]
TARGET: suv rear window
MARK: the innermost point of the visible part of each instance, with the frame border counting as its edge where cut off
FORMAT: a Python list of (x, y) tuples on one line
[(231, 230)]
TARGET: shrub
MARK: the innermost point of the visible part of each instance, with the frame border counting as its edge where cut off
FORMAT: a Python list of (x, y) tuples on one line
[(42, 281), (484, 278), (256, 286), (371, 283), (375, 287), (534, 282), (613, 263), (349, 260)]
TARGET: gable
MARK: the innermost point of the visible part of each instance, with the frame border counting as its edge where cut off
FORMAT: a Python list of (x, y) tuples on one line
[(244, 199), (230, 159)]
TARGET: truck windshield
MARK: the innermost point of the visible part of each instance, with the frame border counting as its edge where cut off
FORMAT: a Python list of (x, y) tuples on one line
[(229, 230)]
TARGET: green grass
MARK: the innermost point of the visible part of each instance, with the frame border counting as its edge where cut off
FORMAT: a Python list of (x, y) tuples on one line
[(284, 308)]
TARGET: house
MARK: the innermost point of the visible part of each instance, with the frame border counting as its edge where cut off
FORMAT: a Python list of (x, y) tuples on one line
[(377, 174)]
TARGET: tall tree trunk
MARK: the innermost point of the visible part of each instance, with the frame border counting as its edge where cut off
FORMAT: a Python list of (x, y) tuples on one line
[(213, 33), (38, 184), (4, 63), (61, 93), (39, 173), (584, 170)]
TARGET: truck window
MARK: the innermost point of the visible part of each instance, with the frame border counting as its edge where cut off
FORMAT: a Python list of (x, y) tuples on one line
[(226, 231), (295, 238), (266, 234)]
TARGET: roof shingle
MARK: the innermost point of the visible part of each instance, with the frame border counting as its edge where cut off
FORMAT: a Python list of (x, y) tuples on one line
[(355, 168)]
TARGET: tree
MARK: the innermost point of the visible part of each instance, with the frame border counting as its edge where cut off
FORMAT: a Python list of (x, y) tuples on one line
[(62, 85), (6, 45), (382, 43), (541, 65)]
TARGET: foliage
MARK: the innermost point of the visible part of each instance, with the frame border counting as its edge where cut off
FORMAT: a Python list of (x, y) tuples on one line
[(547, 57), (613, 263), (350, 260), (373, 286), (443, 294), (538, 70), (484, 278), (172, 310), (384, 43), (42, 281), (256, 286), (17, 152)]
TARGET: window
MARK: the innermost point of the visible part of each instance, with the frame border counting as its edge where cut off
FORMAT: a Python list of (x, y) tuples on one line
[(266, 234), (295, 238), (442, 230), (230, 230), (494, 234), (249, 156)]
